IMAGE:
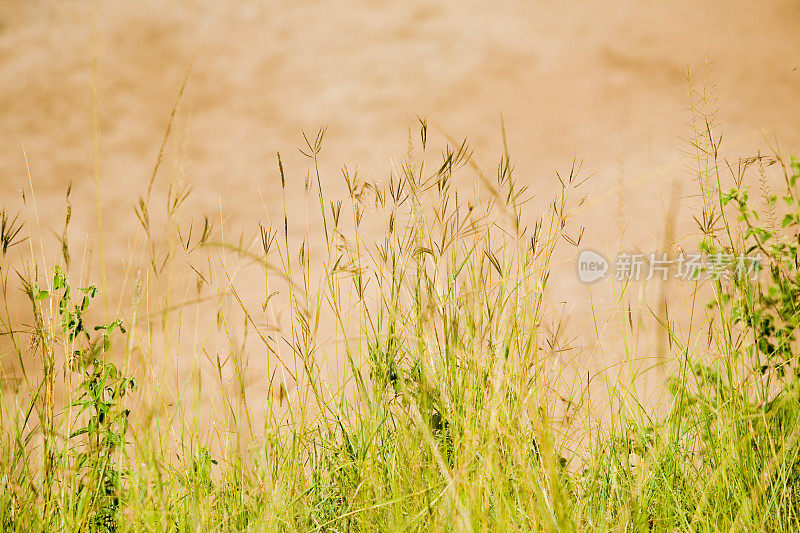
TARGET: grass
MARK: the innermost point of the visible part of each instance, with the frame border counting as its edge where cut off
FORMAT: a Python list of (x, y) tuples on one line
[(410, 382)]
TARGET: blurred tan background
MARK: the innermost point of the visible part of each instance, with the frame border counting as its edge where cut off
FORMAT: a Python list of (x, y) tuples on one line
[(601, 81)]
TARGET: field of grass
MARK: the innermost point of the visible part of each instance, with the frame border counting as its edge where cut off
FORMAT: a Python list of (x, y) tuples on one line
[(433, 407)]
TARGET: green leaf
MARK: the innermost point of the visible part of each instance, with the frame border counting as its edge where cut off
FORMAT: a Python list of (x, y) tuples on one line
[(90, 291), (79, 432)]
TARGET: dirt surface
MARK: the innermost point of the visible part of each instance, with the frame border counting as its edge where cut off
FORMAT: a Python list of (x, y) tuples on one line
[(603, 82)]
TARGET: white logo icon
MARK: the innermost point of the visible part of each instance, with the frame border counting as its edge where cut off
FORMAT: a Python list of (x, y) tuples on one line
[(591, 266)]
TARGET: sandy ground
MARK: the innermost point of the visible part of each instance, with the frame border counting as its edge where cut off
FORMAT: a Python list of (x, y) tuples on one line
[(604, 82)]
